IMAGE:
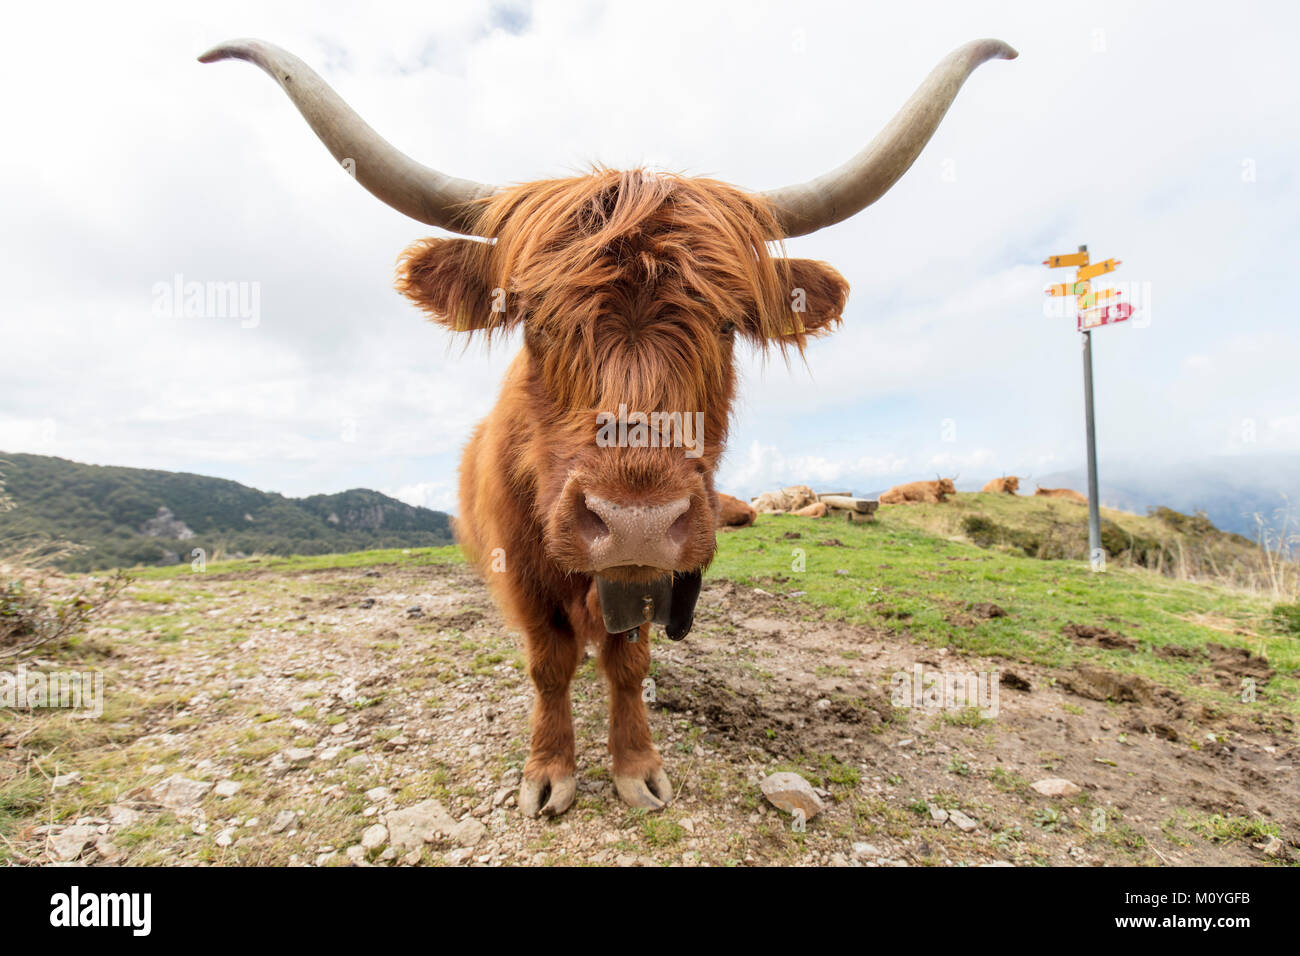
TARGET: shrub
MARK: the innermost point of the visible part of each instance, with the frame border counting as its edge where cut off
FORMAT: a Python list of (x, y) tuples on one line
[(1287, 618)]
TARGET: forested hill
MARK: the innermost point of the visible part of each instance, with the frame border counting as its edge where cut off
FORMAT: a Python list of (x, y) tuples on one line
[(121, 517)]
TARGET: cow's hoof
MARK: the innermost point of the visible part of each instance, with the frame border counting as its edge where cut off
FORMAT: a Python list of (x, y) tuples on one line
[(547, 797), (653, 792)]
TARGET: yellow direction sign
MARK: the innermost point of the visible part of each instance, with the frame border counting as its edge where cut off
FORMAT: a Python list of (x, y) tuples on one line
[(1068, 288), (1100, 269), (1088, 300), (1069, 259)]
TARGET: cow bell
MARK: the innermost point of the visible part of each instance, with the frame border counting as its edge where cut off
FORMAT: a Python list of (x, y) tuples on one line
[(668, 601)]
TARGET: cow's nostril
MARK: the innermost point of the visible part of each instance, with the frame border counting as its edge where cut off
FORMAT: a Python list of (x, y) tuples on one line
[(589, 524), (680, 529)]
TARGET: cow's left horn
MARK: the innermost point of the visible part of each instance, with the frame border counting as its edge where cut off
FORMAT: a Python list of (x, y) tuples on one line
[(409, 187), (866, 177)]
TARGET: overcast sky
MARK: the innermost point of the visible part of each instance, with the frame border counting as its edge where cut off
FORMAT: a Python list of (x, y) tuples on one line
[(1164, 135)]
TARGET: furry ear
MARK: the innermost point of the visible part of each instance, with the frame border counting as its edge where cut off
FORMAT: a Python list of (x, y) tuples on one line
[(818, 294), (814, 295), (450, 280)]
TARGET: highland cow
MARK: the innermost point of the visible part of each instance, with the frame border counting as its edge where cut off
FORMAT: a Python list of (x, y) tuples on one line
[(919, 492), (1003, 486), (631, 291), (734, 513)]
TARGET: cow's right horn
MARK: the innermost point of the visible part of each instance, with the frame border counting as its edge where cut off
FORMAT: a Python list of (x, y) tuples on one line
[(409, 187), (852, 187)]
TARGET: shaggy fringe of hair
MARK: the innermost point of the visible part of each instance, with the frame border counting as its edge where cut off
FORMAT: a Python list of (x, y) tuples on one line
[(635, 242), (672, 257)]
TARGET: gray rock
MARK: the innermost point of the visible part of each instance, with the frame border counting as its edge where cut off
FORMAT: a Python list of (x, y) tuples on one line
[(226, 788), (283, 820), (107, 850), (938, 815), (468, 832), (71, 841), (177, 792), (789, 791), (374, 837), (120, 816), (963, 822), (411, 828), (862, 851), (1273, 847), (65, 780), (356, 855), (1055, 787), (298, 755), (378, 794)]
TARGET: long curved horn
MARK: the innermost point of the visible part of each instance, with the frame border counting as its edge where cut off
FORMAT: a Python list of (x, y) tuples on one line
[(392, 176), (866, 177)]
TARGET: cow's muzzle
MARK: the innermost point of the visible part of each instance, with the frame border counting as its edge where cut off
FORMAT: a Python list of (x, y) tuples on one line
[(668, 600)]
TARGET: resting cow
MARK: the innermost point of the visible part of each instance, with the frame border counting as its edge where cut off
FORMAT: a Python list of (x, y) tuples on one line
[(631, 290), (919, 492), (1003, 486), (734, 513)]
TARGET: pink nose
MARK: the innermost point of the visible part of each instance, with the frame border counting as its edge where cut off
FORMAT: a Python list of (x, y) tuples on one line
[(646, 535)]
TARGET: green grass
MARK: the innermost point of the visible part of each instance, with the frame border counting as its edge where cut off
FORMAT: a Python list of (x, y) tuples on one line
[(902, 578), (406, 557), (1223, 829)]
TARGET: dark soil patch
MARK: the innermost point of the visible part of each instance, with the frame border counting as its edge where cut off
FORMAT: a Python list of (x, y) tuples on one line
[(1098, 637)]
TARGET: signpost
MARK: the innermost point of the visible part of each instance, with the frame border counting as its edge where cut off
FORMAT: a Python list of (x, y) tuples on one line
[(1091, 315)]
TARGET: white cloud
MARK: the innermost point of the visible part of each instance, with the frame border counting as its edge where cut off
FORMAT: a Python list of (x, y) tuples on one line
[(439, 495)]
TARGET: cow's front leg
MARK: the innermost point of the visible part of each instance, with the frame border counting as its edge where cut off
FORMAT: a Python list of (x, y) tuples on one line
[(638, 769), (548, 786)]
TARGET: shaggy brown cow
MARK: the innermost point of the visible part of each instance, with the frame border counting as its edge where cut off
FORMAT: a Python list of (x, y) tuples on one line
[(734, 513), (919, 492), (1069, 494), (631, 290), (1003, 486)]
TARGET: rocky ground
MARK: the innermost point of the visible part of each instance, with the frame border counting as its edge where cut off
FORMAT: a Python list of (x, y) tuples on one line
[(378, 716)]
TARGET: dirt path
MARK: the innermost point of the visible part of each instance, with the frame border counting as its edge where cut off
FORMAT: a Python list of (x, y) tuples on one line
[(323, 719)]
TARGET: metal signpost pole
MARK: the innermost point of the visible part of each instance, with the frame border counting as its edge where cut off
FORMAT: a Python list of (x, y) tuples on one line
[(1096, 553)]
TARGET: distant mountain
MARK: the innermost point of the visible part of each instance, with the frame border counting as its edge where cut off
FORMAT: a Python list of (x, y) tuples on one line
[(1231, 490), (123, 517)]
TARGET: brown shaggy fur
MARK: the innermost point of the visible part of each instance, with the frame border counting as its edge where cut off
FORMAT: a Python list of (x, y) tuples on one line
[(1069, 494), (1003, 486), (630, 289), (918, 492), (734, 513)]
